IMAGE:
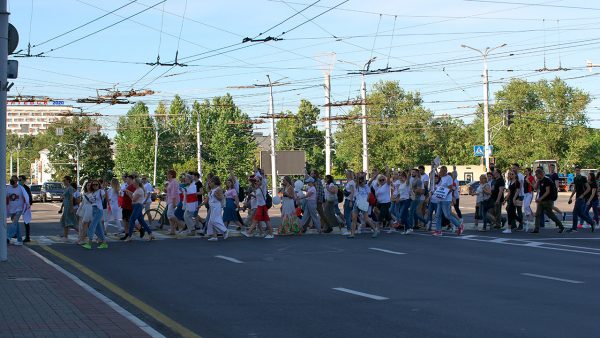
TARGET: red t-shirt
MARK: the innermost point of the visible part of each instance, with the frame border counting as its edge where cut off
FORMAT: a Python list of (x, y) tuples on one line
[(127, 200)]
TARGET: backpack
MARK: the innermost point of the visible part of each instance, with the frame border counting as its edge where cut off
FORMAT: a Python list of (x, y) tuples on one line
[(269, 201), (340, 196), (242, 194)]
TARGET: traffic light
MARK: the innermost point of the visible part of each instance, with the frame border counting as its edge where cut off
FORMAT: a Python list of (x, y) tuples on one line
[(508, 117)]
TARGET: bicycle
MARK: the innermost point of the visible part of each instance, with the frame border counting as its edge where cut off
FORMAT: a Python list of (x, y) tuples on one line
[(157, 217)]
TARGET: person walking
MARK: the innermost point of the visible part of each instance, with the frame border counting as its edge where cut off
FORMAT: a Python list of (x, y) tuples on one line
[(138, 196), (581, 190), (514, 186), (67, 210), (497, 199), (483, 193), (592, 197), (331, 200), (27, 211), (190, 204), (85, 212), (383, 195), (173, 199), (361, 206), (289, 223), (17, 202), (232, 202), (349, 197), (310, 208), (546, 194), (262, 212), (444, 191), (93, 199), (114, 210), (416, 191), (216, 200), (528, 188)]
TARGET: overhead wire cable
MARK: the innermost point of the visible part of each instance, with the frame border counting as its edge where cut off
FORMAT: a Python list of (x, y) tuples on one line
[(101, 29), (85, 24)]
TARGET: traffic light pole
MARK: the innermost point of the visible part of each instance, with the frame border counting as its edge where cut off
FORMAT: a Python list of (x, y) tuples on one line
[(3, 90)]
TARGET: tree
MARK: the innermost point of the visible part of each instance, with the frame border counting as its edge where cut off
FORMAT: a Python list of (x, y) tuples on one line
[(135, 141), (300, 132), (97, 155), (229, 144), (397, 124), (549, 123)]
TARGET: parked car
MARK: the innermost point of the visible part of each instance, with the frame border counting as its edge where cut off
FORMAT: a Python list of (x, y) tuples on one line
[(52, 191), (467, 188), (36, 192)]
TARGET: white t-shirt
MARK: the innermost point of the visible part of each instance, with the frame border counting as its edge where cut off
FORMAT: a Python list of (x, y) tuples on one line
[(16, 200), (95, 198), (425, 179), (362, 193), (260, 197), (404, 190), (191, 190), (313, 193), (350, 187), (521, 179), (446, 181), (149, 190), (382, 193), (329, 195)]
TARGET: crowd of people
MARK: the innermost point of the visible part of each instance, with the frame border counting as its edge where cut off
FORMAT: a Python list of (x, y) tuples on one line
[(390, 200)]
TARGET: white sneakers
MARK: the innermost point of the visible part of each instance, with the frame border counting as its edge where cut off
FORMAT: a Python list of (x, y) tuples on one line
[(345, 232), (269, 237), (507, 231)]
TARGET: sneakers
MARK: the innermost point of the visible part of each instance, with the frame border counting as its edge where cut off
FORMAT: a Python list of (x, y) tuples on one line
[(18, 243), (226, 234), (213, 239), (103, 245), (507, 231), (572, 230), (437, 233), (408, 231), (391, 231), (87, 246), (269, 237), (345, 232), (375, 234), (461, 228)]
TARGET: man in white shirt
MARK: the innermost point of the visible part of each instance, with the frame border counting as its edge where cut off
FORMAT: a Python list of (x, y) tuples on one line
[(17, 202), (148, 189), (425, 179), (444, 191)]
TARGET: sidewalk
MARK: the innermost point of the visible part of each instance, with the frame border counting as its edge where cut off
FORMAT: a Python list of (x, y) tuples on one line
[(36, 300)]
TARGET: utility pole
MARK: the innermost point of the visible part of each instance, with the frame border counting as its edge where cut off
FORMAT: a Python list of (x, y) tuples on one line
[(18, 165), (365, 145), (3, 90), (199, 145), (273, 158), (328, 124), (486, 93), (11, 164), (155, 155)]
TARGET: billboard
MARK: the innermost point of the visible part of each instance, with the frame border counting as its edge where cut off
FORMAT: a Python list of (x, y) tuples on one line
[(289, 162)]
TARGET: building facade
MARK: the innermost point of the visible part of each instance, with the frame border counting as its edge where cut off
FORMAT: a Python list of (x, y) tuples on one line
[(33, 117)]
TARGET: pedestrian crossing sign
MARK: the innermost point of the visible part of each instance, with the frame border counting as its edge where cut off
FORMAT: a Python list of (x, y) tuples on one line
[(478, 151)]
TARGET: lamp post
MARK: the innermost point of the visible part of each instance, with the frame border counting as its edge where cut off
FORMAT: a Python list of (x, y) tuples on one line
[(486, 93), (76, 157)]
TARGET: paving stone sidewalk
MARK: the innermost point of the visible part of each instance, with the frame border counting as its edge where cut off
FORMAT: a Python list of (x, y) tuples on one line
[(36, 300)]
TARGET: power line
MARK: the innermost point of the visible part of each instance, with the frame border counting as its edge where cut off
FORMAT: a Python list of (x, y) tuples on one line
[(102, 29), (85, 24)]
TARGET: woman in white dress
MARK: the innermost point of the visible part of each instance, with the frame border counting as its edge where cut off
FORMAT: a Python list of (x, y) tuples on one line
[(216, 199), (289, 223), (114, 211)]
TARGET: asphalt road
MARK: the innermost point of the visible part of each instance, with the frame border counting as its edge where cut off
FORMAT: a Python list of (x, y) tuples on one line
[(416, 286)]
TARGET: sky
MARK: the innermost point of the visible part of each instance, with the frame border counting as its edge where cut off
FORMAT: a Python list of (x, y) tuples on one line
[(87, 45)]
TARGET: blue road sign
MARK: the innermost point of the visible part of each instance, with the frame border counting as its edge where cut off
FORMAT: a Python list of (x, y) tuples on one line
[(478, 151)]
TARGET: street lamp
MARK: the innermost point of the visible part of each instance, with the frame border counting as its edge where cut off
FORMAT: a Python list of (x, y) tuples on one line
[(365, 146), (76, 157), (486, 93)]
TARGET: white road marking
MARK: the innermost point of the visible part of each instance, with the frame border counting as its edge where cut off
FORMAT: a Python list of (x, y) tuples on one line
[(53, 204), (132, 318), (362, 294), (388, 251), (230, 259), (552, 278), (534, 244), (499, 240)]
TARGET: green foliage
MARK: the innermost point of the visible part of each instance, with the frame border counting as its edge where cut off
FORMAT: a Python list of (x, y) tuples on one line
[(96, 155), (135, 142), (301, 133)]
